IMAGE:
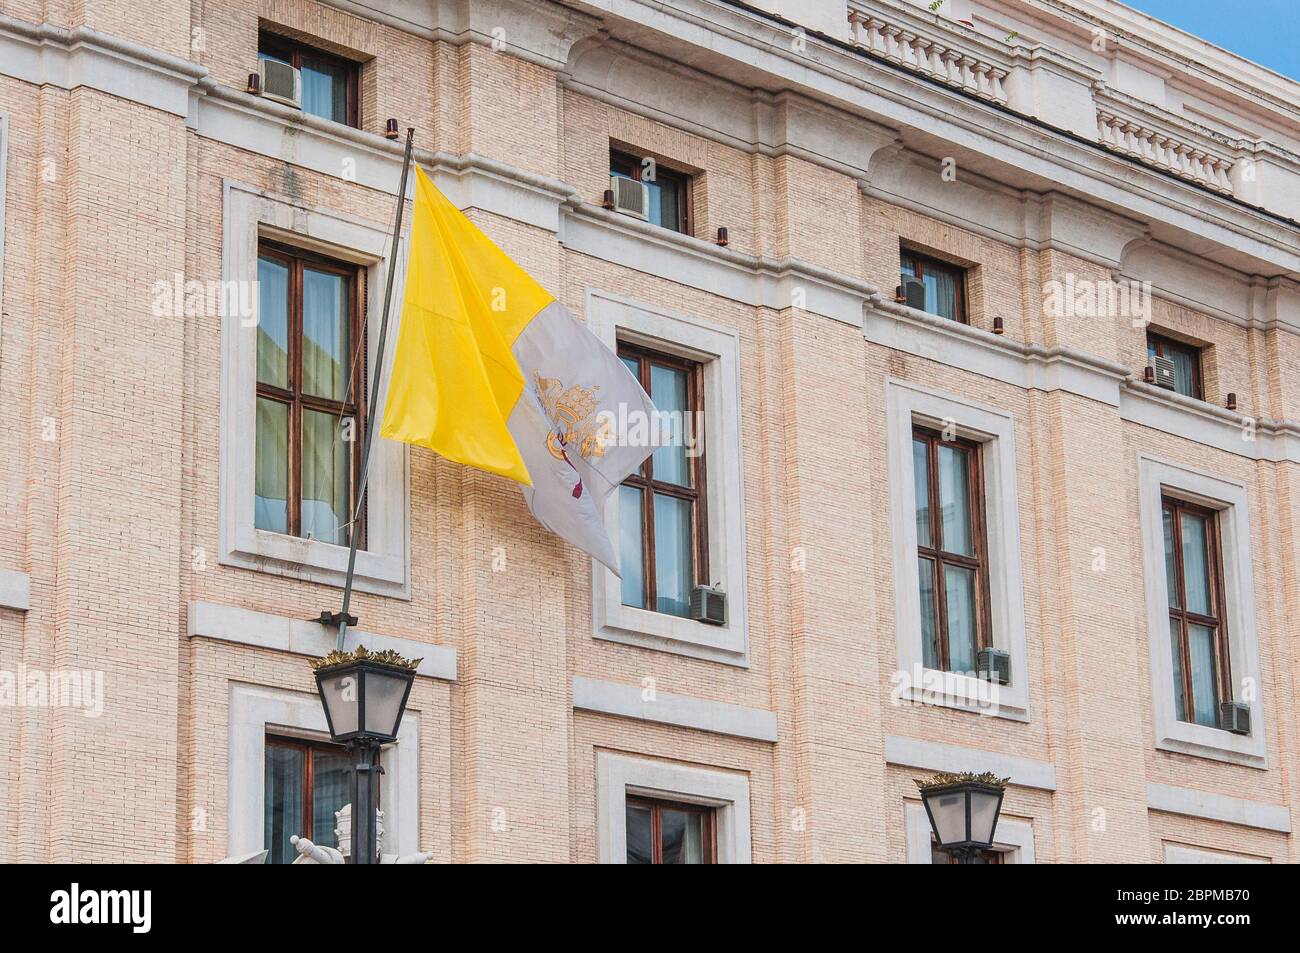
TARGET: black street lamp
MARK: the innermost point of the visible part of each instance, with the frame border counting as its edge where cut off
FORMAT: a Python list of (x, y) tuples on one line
[(963, 811), (364, 695)]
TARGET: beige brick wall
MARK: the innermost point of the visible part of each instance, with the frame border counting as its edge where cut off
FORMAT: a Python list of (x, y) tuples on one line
[(114, 513)]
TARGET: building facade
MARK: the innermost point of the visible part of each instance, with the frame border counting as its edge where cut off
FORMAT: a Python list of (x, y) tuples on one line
[(990, 313)]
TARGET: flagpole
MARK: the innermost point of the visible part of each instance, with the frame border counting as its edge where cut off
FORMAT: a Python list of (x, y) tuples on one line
[(373, 406)]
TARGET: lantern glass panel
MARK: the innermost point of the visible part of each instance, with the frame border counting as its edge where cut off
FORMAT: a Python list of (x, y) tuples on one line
[(983, 815), (385, 692), (949, 813), (341, 692)]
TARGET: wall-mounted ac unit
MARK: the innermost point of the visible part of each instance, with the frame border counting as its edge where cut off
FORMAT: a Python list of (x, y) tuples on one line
[(630, 197), (912, 291), (1235, 717), (281, 82), (1166, 374), (709, 605), (995, 666)]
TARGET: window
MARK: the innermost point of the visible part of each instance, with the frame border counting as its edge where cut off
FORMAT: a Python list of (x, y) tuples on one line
[(665, 832), (663, 527), (952, 558), (1202, 637), (954, 514), (945, 284), (310, 384), (1197, 629), (659, 812), (329, 83), (306, 783), (1187, 363), (938, 856), (678, 341), (670, 191)]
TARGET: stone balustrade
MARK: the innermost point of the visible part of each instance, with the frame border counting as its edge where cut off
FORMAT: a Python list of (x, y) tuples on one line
[(1127, 135), (928, 56)]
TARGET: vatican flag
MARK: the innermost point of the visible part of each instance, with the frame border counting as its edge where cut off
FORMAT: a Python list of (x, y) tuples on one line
[(492, 372)]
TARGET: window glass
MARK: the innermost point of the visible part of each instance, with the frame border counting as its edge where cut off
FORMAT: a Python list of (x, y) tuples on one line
[(954, 499), (271, 467), (640, 826), (331, 790), (1180, 690), (1171, 571), (1200, 643), (959, 593), (631, 557), (285, 769), (929, 621), (325, 89), (921, 478), (272, 322), (669, 391), (674, 567), (325, 462), (1196, 564), (325, 345)]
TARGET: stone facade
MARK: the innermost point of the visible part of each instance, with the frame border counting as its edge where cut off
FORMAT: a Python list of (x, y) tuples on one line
[(123, 127)]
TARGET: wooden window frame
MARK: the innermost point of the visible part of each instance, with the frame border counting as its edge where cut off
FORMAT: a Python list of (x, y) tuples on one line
[(656, 806), (296, 259), (628, 164), (1163, 343), (921, 261), (309, 748), (939, 557), (643, 479), (296, 52), (1184, 617)]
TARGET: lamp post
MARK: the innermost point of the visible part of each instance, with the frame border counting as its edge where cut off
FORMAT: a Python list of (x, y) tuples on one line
[(963, 810), (364, 695)]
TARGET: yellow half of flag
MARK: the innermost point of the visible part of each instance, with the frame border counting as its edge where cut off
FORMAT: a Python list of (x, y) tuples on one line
[(455, 379)]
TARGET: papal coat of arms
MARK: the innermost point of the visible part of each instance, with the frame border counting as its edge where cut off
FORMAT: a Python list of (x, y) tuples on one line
[(572, 411)]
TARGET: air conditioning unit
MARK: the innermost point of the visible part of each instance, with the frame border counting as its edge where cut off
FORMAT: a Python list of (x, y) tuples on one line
[(1166, 375), (281, 82), (912, 292), (630, 197), (1235, 717), (709, 605), (994, 665)]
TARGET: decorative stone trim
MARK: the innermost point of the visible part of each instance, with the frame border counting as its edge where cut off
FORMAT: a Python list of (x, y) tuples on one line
[(15, 590), (932, 756), (212, 620), (1219, 807), (634, 701)]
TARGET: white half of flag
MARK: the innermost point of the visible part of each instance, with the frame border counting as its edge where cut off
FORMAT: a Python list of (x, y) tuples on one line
[(565, 425)]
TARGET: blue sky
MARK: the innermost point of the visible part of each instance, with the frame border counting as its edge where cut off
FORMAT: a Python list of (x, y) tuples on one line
[(1261, 30)]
